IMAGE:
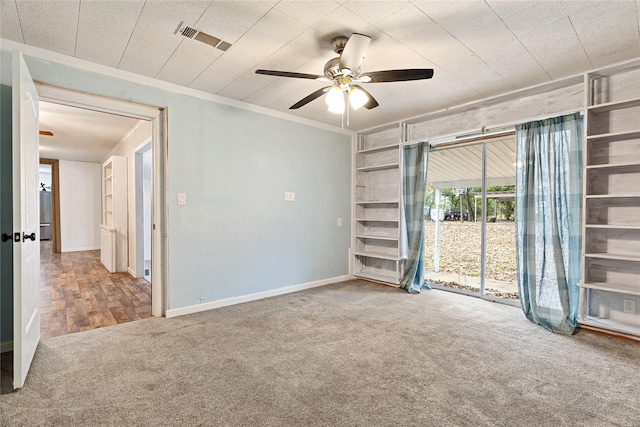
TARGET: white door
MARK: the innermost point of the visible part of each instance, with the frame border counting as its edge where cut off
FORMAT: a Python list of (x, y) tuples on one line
[(26, 218)]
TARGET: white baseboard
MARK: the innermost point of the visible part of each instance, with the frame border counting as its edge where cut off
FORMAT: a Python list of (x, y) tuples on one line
[(253, 297), (6, 346), (88, 248)]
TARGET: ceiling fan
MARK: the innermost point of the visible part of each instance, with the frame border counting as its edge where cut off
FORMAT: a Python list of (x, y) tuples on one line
[(345, 75)]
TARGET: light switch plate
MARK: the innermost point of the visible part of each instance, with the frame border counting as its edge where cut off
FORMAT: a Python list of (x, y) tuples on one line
[(289, 197), (339, 222), (182, 199)]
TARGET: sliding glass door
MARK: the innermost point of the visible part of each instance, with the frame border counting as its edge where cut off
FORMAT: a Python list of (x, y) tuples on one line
[(453, 242), (500, 267), (469, 218)]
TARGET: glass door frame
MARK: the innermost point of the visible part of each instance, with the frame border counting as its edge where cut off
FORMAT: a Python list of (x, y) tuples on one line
[(482, 140)]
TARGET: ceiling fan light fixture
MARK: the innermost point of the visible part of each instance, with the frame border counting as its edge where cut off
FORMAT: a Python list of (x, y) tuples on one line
[(357, 98), (335, 100), (345, 73)]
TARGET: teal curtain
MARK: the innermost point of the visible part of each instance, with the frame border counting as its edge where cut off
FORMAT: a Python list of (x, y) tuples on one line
[(414, 183), (549, 220)]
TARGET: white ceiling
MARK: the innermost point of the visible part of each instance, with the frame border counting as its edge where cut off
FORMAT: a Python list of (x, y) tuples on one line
[(477, 48), (80, 135)]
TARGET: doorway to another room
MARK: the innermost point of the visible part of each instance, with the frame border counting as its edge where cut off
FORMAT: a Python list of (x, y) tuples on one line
[(79, 289)]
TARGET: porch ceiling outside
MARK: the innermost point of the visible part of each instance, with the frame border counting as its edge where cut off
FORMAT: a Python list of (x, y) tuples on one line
[(462, 167)]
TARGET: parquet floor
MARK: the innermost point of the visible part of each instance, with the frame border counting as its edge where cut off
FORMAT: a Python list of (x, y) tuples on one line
[(77, 293)]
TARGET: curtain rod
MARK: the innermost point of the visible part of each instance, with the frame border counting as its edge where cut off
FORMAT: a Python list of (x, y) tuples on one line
[(475, 138), (465, 140)]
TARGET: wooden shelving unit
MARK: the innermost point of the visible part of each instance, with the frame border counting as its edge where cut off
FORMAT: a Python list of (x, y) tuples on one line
[(610, 291), (113, 230), (377, 212)]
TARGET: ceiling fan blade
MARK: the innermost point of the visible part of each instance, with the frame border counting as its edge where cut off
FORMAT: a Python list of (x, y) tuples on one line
[(397, 75), (289, 74), (371, 103), (307, 99), (354, 51)]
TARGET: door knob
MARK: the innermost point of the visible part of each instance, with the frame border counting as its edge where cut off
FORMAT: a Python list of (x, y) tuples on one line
[(6, 237), (26, 237)]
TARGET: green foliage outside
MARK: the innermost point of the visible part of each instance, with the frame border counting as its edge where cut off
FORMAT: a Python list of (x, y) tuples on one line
[(466, 203)]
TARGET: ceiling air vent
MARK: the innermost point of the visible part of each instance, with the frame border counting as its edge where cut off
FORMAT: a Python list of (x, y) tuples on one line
[(192, 33)]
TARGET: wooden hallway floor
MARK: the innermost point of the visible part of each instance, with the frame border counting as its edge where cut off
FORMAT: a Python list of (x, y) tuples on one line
[(77, 293)]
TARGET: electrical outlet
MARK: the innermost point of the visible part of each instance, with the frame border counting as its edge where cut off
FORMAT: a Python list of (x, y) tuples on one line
[(629, 306)]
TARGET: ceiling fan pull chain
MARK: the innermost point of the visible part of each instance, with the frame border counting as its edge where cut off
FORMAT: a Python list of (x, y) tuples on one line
[(348, 108)]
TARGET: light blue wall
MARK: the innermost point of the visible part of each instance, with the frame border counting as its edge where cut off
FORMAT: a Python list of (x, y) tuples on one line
[(6, 225), (237, 235)]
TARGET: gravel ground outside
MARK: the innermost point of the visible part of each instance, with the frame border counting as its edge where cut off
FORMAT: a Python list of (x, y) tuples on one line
[(460, 247)]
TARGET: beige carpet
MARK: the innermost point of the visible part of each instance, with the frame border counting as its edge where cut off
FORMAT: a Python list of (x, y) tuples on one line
[(355, 354)]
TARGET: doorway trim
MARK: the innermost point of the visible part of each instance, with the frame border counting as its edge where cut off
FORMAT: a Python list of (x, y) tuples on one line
[(55, 203), (158, 117)]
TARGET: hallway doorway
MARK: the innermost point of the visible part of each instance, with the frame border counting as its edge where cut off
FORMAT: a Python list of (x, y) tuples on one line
[(77, 291)]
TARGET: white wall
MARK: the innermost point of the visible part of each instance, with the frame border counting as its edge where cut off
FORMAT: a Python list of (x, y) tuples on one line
[(237, 238), (45, 177), (127, 148), (79, 205), (147, 184)]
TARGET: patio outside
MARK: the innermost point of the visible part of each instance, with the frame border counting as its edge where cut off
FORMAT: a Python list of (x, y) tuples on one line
[(459, 242)]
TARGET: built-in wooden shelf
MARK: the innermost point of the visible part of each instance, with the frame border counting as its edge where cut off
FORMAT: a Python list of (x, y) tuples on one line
[(377, 205), (378, 149), (113, 230), (612, 196), (379, 276), (610, 324), (381, 255), (377, 202), (614, 227), (611, 238), (376, 220), (615, 136), (378, 167), (619, 257), (612, 287), (629, 165), (616, 105), (391, 239)]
